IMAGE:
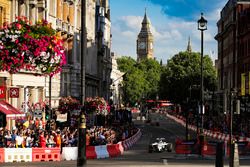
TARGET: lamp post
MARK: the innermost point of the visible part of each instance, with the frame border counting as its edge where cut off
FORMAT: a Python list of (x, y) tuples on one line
[(81, 158), (233, 94), (202, 26)]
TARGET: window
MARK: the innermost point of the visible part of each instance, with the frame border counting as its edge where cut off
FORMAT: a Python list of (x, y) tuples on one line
[(65, 84), (52, 7), (2, 15)]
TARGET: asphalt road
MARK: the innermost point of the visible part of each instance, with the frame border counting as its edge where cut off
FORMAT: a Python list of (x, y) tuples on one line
[(138, 155)]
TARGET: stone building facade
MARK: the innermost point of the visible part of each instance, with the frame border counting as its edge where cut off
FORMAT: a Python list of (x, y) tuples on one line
[(233, 62), (98, 55), (65, 17)]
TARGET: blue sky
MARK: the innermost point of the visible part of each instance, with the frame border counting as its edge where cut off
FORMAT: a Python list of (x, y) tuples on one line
[(172, 22)]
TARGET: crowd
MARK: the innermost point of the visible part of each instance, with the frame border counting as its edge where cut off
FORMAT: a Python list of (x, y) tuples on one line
[(39, 134)]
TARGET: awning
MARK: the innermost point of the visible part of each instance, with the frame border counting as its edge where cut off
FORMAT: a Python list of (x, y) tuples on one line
[(9, 110)]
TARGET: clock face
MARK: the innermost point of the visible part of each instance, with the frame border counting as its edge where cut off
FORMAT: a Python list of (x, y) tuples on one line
[(142, 45)]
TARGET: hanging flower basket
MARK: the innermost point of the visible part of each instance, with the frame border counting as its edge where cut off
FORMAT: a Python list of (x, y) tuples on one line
[(30, 47), (68, 104), (96, 105)]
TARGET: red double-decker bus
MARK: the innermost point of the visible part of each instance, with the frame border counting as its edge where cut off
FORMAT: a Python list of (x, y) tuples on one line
[(157, 104)]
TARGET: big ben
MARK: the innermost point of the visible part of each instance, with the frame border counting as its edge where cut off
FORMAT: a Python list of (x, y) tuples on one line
[(145, 41)]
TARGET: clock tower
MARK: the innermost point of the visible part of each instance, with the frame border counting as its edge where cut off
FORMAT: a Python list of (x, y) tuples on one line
[(145, 41)]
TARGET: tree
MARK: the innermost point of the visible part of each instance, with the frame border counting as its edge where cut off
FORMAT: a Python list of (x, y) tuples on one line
[(141, 79), (182, 73)]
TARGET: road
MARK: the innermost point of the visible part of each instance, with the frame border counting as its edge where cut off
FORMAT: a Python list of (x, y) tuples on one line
[(138, 155)]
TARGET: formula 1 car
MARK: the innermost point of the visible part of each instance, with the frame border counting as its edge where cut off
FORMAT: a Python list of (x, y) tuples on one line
[(160, 145)]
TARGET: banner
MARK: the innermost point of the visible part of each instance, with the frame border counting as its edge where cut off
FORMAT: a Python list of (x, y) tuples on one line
[(243, 84), (14, 92), (2, 92), (61, 117)]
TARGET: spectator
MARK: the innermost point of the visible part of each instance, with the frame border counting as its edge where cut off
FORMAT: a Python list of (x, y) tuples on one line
[(42, 140)]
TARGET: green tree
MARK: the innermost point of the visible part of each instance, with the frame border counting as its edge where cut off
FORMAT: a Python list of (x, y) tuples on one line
[(182, 72), (141, 79)]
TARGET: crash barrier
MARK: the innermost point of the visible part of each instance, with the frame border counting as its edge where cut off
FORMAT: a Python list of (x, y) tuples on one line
[(68, 153), (209, 148), (130, 141), (113, 150), (207, 133), (243, 148), (46, 154), (17, 154), (102, 152), (186, 147), (90, 152), (1, 155)]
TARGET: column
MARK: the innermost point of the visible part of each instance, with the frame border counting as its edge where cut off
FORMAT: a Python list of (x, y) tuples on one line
[(71, 14), (26, 99), (21, 98), (32, 11), (34, 95), (59, 9), (65, 11)]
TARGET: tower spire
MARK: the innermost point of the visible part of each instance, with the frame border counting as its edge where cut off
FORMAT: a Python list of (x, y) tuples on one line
[(189, 48)]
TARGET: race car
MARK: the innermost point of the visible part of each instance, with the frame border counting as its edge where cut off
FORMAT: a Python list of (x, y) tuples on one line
[(160, 145)]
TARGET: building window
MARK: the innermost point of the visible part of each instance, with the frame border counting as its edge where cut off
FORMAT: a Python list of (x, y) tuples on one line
[(2, 15), (52, 7), (65, 84)]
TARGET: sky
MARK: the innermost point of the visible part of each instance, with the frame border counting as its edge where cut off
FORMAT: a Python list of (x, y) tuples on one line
[(172, 23)]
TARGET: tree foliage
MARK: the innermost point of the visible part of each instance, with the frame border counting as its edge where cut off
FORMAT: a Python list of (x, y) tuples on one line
[(182, 74), (141, 80)]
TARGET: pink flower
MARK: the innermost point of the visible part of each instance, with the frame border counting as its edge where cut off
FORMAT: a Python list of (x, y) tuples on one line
[(18, 26)]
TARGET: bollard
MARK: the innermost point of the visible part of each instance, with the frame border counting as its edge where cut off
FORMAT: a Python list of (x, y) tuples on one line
[(236, 156), (219, 155)]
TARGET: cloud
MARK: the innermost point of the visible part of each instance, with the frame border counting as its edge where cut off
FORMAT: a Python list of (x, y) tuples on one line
[(170, 30), (187, 8)]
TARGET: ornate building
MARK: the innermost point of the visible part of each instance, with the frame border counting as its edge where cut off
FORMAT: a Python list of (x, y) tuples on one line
[(98, 63), (116, 86), (233, 62), (65, 17), (145, 41)]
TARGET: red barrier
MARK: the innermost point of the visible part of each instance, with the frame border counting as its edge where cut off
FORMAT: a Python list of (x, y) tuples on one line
[(243, 148), (186, 147), (209, 149), (90, 152), (113, 150), (1, 155), (46, 154), (182, 149)]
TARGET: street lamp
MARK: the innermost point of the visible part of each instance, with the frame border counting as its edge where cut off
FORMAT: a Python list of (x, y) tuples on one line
[(232, 96), (202, 26), (81, 158)]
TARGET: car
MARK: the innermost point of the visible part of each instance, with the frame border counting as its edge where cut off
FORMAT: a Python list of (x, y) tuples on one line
[(160, 145)]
